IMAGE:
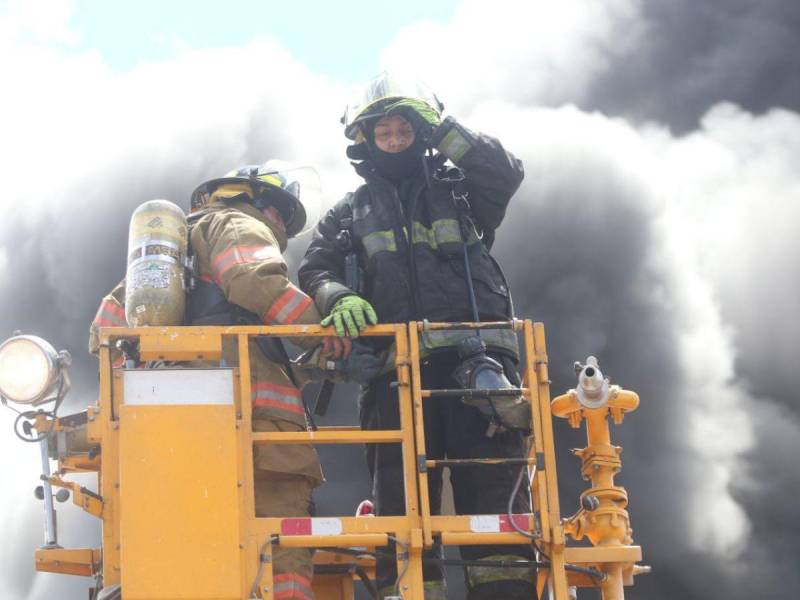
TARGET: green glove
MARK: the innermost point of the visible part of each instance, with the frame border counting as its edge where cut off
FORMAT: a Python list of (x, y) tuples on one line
[(418, 108), (350, 313)]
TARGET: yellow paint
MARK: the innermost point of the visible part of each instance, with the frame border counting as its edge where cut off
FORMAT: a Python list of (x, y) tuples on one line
[(179, 529), (177, 482)]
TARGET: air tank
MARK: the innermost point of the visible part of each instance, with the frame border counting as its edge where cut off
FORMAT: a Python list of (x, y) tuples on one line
[(155, 283)]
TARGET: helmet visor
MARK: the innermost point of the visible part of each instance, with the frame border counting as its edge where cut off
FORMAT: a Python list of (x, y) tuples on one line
[(384, 87), (303, 183)]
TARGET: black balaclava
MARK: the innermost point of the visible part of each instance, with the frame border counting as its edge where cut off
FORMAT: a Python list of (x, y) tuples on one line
[(395, 166)]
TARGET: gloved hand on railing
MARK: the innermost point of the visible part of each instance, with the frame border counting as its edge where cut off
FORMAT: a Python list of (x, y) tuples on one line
[(360, 366), (350, 316)]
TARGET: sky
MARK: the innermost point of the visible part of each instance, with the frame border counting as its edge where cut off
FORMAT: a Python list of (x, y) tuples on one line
[(655, 227)]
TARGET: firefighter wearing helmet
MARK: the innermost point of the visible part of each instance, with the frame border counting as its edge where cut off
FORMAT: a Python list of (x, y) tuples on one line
[(424, 220), (238, 230)]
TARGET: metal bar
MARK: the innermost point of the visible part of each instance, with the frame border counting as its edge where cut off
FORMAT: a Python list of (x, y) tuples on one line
[(459, 538), (468, 462), (328, 541), (328, 437), (410, 482), (245, 472), (468, 393), (264, 527), (50, 533), (419, 435), (466, 325)]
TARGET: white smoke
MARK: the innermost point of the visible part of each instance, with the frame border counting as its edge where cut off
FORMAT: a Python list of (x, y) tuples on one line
[(691, 236)]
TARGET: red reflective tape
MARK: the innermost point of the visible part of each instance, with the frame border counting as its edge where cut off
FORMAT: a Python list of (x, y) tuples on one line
[(299, 310), (241, 255), (113, 308), (276, 307), (110, 314), (270, 403), (300, 526), (106, 322), (283, 390), (522, 521)]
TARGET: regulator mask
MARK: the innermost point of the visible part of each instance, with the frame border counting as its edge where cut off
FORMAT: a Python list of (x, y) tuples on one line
[(479, 371)]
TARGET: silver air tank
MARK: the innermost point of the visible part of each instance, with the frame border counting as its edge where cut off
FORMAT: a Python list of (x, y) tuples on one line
[(155, 283)]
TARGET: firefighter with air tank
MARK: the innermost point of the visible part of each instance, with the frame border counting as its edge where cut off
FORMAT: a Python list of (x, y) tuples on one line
[(419, 231), (237, 231)]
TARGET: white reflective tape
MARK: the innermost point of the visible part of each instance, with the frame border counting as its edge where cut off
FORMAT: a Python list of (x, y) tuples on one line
[(484, 523), (326, 526)]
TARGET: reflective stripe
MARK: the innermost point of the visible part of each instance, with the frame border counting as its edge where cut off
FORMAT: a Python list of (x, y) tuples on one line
[(241, 255), (292, 585), (379, 241), (498, 338), (454, 145), (422, 235), (277, 396), (288, 307), (481, 575), (110, 314), (447, 231)]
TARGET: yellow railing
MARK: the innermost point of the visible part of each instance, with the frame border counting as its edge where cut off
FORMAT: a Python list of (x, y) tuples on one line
[(412, 532)]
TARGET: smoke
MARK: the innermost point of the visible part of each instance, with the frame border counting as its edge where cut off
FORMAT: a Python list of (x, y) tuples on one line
[(669, 256)]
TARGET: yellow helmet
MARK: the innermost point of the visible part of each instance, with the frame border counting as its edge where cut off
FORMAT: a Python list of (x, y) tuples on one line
[(274, 184)]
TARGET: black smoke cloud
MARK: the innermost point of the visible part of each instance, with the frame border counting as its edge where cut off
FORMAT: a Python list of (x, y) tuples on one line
[(589, 246), (692, 55)]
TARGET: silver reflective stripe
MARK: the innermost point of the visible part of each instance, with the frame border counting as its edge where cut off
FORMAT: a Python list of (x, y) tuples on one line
[(454, 145), (447, 231), (379, 241)]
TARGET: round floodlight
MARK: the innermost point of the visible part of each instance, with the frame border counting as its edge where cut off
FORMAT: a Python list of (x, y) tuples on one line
[(29, 367)]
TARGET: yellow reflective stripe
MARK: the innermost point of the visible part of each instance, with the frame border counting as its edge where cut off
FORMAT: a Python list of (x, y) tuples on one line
[(442, 231), (379, 241), (454, 145), (480, 575), (499, 338), (422, 235)]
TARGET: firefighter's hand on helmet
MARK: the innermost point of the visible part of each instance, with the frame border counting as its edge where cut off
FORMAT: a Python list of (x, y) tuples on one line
[(417, 112), (350, 316)]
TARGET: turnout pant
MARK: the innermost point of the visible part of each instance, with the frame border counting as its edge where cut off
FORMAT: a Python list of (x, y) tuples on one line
[(452, 430), (283, 495)]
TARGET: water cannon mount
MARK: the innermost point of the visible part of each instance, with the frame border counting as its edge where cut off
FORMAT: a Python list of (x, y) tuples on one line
[(602, 517)]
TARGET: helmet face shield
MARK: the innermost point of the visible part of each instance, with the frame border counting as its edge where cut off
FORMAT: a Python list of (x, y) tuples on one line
[(386, 86), (302, 183)]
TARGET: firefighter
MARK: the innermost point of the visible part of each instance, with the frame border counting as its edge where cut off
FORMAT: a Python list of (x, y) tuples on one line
[(239, 227), (433, 193)]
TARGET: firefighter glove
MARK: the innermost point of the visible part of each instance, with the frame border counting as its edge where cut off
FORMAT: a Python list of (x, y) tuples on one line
[(350, 316), (418, 113)]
